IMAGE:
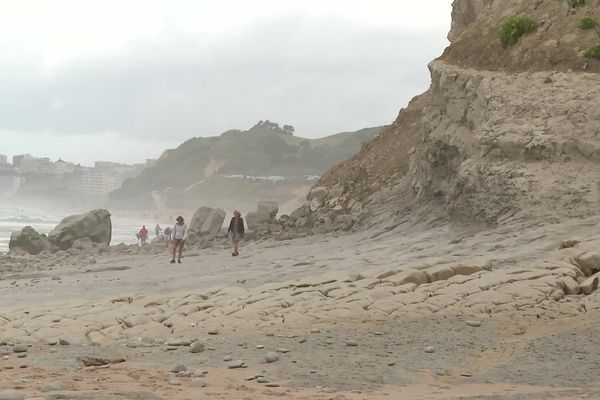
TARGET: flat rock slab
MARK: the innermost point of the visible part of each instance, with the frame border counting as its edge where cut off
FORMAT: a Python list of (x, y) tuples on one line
[(10, 395)]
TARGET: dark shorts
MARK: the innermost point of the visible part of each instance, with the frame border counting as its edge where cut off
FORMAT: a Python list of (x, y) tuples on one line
[(178, 243), (236, 237)]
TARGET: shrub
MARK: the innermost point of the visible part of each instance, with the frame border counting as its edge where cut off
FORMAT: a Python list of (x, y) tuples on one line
[(587, 22), (592, 52), (576, 3), (515, 27)]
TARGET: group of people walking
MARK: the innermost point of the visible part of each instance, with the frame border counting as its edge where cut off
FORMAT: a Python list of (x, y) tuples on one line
[(178, 234)]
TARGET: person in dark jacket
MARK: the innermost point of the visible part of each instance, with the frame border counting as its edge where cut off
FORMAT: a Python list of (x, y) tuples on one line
[(236, 230)]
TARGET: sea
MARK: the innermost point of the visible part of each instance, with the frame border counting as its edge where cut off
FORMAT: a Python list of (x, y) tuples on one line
[(14, 219)]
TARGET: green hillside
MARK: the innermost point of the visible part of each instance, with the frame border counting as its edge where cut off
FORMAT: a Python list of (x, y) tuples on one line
[(202, 169)]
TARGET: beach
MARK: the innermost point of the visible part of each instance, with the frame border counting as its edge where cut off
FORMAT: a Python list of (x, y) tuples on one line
[(335, 313)]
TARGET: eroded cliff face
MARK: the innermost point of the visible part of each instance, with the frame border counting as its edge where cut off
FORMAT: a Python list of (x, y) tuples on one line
[(481, 146)]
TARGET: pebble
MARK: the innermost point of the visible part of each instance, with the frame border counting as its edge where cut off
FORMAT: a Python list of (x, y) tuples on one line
[(180, 342), (272, 384), (198, 383), (63, 342), (351, 343), (178, 369), (10, 395), (378, 333), (271, 357), (262, 380), (20, 348), (199, 374), (251, 378), (391, 364), (473, 323), (236, 364), (54, 386), (227, 358), (213, 332), (197, 347), (184, 374), (260, 347), (21, 355), (174, 382), (429, 349), (283, 350), (315, 331), (466, 374)]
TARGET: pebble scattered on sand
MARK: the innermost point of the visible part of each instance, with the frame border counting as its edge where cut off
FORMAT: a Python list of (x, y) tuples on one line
[(54, 386), (271, 357), (179, 368)]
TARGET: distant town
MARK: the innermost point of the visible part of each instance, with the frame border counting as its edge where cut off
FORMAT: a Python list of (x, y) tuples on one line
[(34, 174)]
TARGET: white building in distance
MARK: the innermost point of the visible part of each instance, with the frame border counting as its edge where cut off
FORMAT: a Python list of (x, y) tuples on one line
[(97, 183)]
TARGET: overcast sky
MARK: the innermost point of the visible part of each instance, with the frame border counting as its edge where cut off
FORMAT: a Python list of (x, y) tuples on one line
[(122, 80)]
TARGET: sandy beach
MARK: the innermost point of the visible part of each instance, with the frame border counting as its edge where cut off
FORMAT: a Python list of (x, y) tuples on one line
[(338, 317)]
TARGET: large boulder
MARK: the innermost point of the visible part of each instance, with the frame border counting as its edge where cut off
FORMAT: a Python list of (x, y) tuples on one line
[(29, 241), (265, 213), (206, 222), (94, 225)]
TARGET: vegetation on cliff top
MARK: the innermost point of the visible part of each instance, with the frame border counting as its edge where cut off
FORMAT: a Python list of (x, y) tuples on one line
[(592, 52), (587, 22), (515, 27)]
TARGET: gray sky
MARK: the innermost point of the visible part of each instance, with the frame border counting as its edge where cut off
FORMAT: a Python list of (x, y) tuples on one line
[(122, 80)]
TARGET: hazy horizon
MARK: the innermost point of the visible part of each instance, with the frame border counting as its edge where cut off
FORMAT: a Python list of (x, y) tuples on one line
[(124, 81)]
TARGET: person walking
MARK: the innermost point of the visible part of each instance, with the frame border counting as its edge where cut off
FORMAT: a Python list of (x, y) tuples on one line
[(167, 236), (179, 234), (143, 234), (157, 230), (236, 230)]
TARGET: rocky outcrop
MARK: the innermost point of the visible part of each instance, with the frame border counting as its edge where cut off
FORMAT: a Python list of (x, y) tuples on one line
[(205, 224), (95, 225), (266, 211), (263, 222), (29, 241), (483, 145)]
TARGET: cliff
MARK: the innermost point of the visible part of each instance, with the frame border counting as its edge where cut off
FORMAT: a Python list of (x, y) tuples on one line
[(503, 133)]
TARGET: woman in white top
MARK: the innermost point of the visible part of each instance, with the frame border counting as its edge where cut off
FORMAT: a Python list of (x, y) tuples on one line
[(179, 234)]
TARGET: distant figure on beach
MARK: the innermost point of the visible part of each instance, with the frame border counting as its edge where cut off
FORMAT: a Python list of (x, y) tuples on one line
[(167, 235), (236, 230), (157, 230), (143, 234), (179, 234)]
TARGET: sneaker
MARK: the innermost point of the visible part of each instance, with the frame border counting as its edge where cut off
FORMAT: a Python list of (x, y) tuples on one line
[(173, 261), (179, 261), (235, 254)]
